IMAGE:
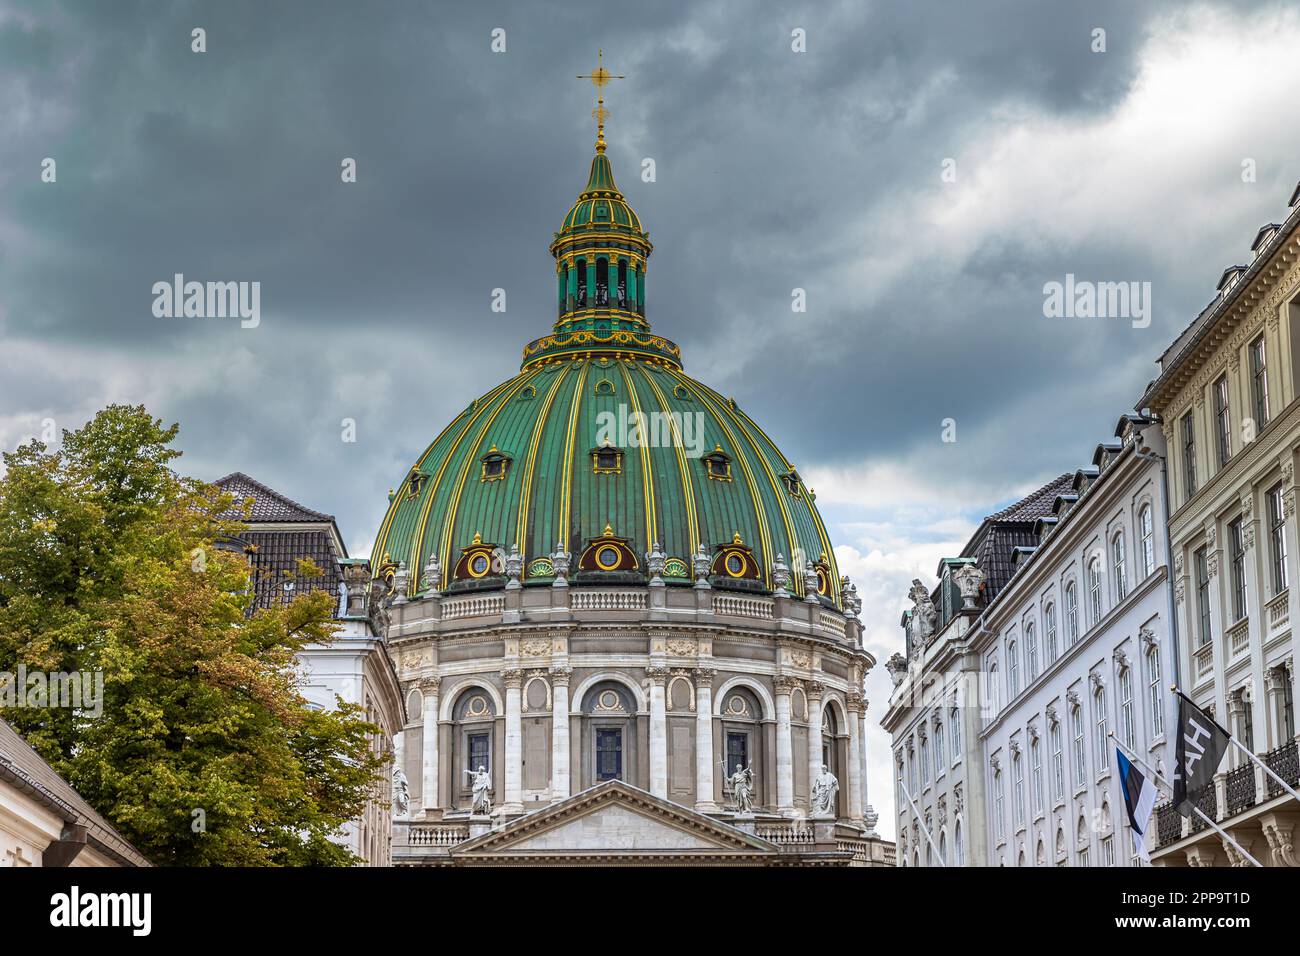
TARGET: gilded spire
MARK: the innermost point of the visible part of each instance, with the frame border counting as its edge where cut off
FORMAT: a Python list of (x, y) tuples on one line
[(599, 78)]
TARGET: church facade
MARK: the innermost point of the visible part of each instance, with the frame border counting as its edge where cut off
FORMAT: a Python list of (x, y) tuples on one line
[(614, 608)]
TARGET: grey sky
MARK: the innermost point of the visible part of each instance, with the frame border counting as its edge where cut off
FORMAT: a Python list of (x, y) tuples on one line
[(775, 170)]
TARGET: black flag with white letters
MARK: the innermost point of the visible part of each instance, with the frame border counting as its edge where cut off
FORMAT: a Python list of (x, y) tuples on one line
[(1201, 745)]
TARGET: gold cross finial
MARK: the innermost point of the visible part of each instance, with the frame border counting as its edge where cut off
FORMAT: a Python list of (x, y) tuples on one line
[(599, 77)]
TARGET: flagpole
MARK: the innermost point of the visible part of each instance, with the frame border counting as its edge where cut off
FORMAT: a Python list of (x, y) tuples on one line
[(1199, 812), (920, 822), (1246, 750)]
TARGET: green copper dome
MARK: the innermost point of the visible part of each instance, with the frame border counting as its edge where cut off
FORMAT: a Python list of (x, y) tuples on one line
[(602, 447)]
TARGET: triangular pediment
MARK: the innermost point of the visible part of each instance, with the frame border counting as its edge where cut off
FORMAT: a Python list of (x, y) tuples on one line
[(615, 822)]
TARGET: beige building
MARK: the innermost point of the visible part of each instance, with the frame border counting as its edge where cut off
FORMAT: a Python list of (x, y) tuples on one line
[(44, 822), (1227, 397)]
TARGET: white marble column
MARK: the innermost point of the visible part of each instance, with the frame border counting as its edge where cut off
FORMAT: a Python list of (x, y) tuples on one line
[(514, 768), (658, 732), (560, 732), (429, 752), (855, 756), (868, 814), (704, 740), (815, 689), (784, 748)]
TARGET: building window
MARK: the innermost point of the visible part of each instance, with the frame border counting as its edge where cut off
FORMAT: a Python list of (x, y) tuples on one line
[(1202, 597), (956, 844), (1071, 614), (939, 753), (1080, 748), (954, 721), (1222, 422), (1058, 762), (1117, 559), (1288, 708), (995, 692), (1237, 548), (1094, 591), (1081, 855), (1259, 383), (1189, 455), (1036, 770), (1099, 714), (1126, 705), (1013, 669), (925, 762), (1049, 632), (1154, 691), (1277, 539), (1147, 545), (1107, 851), (1018, 791), (911, 770), (480, 751), (1031, 653), (609, 752), (999, 826)]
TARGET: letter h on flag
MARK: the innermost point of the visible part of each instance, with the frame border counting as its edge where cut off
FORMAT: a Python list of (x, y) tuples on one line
[(1139, 800), (1200, 746)]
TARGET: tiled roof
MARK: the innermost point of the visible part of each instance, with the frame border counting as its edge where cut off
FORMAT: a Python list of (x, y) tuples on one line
[(274, 556), (994, 544), (20, 762), (268, 504)]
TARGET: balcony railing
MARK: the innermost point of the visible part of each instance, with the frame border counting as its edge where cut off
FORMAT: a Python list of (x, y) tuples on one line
[(1238, 638), (1203, 657), (1169, 824), (1241, 788), (1283, 762), (1208, 805), (438, 836), (1279, 612)]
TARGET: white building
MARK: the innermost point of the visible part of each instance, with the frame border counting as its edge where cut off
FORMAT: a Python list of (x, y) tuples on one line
[(1003, 707), (44, 822), (1227, 397), (1074, 648)]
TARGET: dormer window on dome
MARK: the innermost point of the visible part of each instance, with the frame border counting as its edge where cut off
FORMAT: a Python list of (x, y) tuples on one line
[(415, 483), (607, 460), (496, 465), (793, 483), (717, 464)]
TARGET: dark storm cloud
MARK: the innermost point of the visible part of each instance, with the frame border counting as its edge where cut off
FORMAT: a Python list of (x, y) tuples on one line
[(771, 170)]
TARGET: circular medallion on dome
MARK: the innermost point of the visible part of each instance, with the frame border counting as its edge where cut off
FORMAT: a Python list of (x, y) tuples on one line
[(735, 565), (607, 558), (478, 565)]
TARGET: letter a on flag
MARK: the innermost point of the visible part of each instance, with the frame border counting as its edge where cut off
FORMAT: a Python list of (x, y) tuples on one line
[(1200, 746)]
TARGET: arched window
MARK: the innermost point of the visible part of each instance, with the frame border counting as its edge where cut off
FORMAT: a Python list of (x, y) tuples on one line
[(1126, 720), (580, 299), (609, 733), (474, 716), (1154, 696), (1118, 562), (1101, 741), (925, 762), (741, 740), (1049, 632), (995, 691), (1081, 847), (622, 284), (1071, 614), (1031, 653), (957, 858), (1040, 855), (1036, 775), (1094, 591), (1013, 670), (602, 282), (954, 731), (1058, 760), (940, 755), (1080, 746), (943, 848), (1147, 544), (999, 814), (1018, 789), (1020, 858)]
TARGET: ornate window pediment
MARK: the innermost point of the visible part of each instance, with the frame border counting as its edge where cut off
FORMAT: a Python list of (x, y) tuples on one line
[(717, 464), (607, 460), (496, 465)]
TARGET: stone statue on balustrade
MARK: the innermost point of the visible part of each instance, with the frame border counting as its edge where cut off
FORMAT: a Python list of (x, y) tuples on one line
[(823, 793), (741, 783), (480, 783)]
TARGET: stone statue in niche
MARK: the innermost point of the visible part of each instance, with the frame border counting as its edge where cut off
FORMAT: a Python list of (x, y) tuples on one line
[(481, 783), (401, 793), (742, 789), (823, 793)]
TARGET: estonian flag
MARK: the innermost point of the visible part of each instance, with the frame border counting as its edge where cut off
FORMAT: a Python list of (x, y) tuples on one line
[(1139, 799)]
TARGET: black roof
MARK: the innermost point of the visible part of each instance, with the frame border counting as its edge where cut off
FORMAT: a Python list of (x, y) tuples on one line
[(1001, 533)]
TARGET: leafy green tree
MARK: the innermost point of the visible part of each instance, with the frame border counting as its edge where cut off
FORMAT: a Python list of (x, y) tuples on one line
[(205, 753)]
